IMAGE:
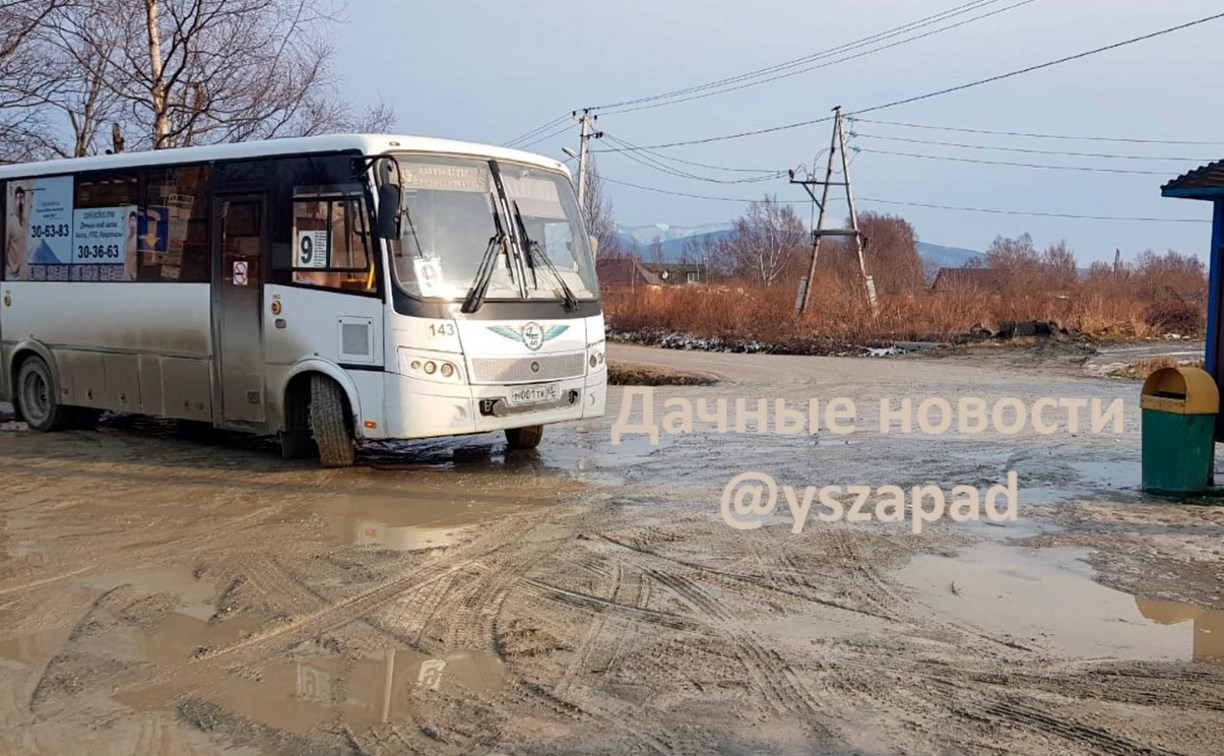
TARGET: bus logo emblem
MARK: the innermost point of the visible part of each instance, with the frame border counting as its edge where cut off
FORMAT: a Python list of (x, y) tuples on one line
[(533, 335)]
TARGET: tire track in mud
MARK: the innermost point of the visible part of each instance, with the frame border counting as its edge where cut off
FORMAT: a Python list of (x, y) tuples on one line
[(151, 554), (773, 678), (1032, 718)]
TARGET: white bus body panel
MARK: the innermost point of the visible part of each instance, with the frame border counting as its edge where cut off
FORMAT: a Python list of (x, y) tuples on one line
[(338, 334), (141, 348)]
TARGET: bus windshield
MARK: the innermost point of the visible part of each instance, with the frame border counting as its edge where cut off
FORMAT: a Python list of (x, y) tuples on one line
[(454, 217)]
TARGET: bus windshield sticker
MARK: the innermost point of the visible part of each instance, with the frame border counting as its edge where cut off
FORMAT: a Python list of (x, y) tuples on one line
[(428, 275), (240, 272), (312, 249), (447, 178)]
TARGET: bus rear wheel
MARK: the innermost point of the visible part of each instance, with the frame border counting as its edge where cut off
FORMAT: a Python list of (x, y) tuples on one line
[(524, 438), (36, 397), (329, 423)]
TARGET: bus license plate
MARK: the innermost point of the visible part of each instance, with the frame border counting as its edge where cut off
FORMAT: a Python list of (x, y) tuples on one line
[(535, 394)]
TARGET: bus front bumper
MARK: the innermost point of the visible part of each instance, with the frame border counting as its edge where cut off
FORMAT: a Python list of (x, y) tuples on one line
[(426, 409)]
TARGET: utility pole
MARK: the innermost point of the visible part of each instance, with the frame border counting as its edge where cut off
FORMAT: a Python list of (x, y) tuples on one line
[(586, 120), (838, 144)]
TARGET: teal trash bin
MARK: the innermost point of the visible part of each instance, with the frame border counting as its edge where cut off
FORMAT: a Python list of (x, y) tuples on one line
[(1179, 408)]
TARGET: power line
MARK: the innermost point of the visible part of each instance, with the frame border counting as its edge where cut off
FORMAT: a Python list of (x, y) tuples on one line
[(992, 211), (654, 160), (997, 148), (937, 93), (1040, 66), (553, 135), (694, 196), (537, 130), (1014, 165), (1031, 135), (806, 69), (965, 8), (1116, 218)]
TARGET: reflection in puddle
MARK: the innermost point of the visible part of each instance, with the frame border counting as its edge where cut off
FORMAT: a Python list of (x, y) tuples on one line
[(1208, 625), (411, 523), (298, 696), (1047, 597)]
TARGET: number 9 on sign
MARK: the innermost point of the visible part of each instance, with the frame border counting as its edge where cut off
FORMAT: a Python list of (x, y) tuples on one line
[(311, 249)]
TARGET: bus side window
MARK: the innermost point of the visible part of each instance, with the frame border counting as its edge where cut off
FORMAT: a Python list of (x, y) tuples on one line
[(331, 242)]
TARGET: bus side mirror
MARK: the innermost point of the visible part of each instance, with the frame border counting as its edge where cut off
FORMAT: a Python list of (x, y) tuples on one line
[(594, 246), (389, 211)]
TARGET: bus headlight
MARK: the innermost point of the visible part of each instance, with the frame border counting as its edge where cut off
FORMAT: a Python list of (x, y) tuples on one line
[(430, 367), (595, 356)]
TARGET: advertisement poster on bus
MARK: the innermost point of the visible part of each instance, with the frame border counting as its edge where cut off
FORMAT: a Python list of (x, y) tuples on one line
[(106, 236), (38, 232)]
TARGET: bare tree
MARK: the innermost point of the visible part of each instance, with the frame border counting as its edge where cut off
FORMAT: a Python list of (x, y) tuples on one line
[(765, 242), (25, 82), (891, 256), (184, 72), (597, 209)]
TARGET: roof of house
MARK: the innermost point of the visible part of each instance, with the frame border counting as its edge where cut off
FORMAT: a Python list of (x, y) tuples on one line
[(624, 271), (1201, 183), (981, 278), (672, 272)]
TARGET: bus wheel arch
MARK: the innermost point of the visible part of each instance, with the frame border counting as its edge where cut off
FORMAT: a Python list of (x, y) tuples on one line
[(311, 383)]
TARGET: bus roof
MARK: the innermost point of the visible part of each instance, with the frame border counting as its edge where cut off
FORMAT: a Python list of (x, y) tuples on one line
[(366, 144)]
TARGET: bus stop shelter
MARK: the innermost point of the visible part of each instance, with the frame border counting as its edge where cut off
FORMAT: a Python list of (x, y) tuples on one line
[(1207, 183)]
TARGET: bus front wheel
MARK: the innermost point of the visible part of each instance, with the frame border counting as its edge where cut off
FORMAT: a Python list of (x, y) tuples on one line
[(329, 423), (524, 438), (36, 397)]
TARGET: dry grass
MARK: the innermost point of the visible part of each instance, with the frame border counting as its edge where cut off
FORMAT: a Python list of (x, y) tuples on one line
[(636, 375), (733, 313)]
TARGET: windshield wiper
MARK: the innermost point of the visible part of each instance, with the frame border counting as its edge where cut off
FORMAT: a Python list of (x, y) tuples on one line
[(534, 255), (488, 264)]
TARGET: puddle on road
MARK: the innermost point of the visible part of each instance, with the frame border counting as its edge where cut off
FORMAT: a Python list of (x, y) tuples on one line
[(410, 523), (301, 696), (1047, 598)]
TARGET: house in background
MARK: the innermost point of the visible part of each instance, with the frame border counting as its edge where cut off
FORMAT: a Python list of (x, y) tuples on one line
[(624, 273), (679, 273), (986, 280)]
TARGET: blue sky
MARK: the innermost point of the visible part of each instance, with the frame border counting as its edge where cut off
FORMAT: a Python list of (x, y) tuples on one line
[(489, 71)]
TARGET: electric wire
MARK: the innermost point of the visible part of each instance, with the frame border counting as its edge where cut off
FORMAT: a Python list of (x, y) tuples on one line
[(807, 69), (873, 200), (1010, 164), (997, 148), (940, 92), (1031, 135), (762, 72), (539, 129)]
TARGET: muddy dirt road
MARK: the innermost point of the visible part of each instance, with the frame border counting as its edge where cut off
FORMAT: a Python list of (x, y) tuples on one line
[(163, 595)]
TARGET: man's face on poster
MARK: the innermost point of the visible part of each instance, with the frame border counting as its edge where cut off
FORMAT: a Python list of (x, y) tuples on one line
[(19, 205)]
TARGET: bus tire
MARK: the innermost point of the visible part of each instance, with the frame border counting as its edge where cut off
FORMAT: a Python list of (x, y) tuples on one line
[(329, 423), (524, 438), (36, 397)]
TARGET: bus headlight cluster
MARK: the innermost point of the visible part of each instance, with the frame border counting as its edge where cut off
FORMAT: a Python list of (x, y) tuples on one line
[(429, 367), (595, 356)]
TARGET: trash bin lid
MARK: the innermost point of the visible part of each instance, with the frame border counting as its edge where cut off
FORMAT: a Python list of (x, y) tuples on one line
[(1181, 390)]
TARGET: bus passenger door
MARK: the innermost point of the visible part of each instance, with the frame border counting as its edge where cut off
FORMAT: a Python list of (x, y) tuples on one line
[(240, 241)]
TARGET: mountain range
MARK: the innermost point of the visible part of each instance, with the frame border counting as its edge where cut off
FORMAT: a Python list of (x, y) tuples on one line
[(674, 239)]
